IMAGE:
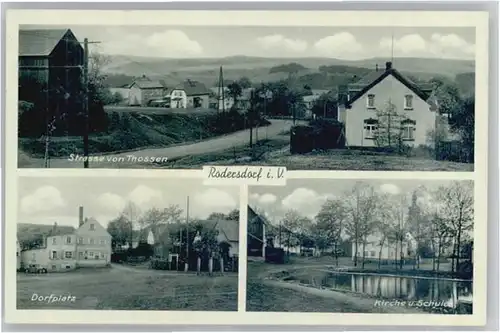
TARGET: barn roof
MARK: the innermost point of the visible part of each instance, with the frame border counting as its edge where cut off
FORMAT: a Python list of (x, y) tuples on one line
[(227, 228), (193, 88), (40, 42), (149, 84)]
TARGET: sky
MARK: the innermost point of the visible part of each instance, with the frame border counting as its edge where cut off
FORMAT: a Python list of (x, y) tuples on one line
[(347, 43), (46, 200), (308, 195)]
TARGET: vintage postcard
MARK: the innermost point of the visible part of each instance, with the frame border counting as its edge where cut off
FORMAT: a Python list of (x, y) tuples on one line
[(362, 246), (243, 168), (125, 243), (302, 97)]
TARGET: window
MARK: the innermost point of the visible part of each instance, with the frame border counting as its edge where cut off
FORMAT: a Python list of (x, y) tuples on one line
[(54, 241), (80, 255), (365, 253), (408, 130), (91, 254), (96, 256), (103, 242), (370, 103), (80, 240), (33, 256), (54, 254), (92, 226), (408, 102), (68, 255), (68, 240), (372, 253), (91, 241), (102, 255), (370, 128)]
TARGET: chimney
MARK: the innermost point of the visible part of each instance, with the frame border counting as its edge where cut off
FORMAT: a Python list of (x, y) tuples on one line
[(376, 67), (388, 65), (80, 216)]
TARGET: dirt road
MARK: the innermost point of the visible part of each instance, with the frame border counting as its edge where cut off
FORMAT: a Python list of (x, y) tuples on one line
[(133, 159)]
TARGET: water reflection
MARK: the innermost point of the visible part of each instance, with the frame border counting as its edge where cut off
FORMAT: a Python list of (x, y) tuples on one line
[(389, 287)]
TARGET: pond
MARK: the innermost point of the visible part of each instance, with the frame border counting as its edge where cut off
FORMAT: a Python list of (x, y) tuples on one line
[(446, 292)]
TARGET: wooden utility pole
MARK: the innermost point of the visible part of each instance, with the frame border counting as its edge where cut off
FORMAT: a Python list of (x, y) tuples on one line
[(221, 98), (186, 265), (86, 99)]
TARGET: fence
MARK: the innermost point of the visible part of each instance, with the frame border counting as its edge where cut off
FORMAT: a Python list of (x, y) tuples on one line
[(319, 135)]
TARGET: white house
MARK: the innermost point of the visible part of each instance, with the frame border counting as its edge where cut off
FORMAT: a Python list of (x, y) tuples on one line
[(375, 94), (189, 94), (225, 102), (88, 246), (389, 250)]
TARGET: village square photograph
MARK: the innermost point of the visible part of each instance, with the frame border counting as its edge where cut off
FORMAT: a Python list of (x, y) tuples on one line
[(125, 243), (320, 98), (361, 246)]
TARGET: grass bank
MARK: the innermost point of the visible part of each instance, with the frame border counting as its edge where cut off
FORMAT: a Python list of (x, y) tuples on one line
[(349, 159), (134, 130)]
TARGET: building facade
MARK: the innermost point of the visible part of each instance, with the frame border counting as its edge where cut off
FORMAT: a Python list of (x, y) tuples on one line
[(143, 91), (88, 246), (190, 94), (384, 102)]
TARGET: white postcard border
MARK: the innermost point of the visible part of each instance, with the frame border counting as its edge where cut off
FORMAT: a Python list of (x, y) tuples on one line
[(250, 18)]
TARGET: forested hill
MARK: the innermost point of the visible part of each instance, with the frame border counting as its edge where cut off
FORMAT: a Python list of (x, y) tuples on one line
[(318, 73)]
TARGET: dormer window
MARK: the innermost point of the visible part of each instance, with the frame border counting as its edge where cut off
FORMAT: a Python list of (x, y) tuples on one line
[(408, 102), (92, 226), (54, 241), (370, 102)]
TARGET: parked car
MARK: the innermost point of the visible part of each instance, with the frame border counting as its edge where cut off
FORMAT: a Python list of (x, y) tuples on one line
[(35, 269)]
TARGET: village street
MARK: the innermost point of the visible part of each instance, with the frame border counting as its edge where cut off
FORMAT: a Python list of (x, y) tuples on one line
[(129, 288), (236, 139)]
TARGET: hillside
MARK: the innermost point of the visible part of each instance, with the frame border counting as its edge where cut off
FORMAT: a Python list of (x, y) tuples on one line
[(309, 71)]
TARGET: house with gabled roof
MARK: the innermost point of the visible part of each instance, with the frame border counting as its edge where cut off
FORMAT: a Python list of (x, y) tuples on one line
[(189, 94), (66, 248), (389, 92), (144, 90)]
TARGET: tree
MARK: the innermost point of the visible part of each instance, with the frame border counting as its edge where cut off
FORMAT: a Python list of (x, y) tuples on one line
[(325, 106), (245, 82), (120, 230), (293, 224), (462, 122), (389, 127), (132, 214), (329, 224), (216, 216), (235, 91), (362, 208), (448, 95), (458, 208), (234, 215)]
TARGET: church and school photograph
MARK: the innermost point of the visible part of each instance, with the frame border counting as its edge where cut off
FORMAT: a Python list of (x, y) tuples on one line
[(305, 98), (361, 246), (126, 243)]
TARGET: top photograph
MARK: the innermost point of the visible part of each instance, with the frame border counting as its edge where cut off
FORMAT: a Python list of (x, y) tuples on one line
[(304, 97)]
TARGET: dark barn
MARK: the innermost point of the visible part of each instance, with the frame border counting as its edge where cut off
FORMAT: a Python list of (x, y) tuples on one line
[(50, 78)]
